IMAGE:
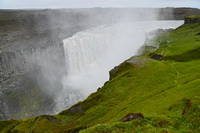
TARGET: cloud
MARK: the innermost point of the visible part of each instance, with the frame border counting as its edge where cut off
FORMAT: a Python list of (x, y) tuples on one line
[(96, 3)]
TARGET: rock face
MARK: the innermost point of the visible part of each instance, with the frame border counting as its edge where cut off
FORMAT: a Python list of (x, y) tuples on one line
[(31, 61), (192, 19), (177, 13), (157, 57)]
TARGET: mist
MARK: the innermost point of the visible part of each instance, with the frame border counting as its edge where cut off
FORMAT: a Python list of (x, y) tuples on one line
[(92, 53), (104, 39), (101, 39)]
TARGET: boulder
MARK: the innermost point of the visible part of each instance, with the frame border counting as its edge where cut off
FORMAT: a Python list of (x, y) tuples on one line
[(132, 116), (157, 57)]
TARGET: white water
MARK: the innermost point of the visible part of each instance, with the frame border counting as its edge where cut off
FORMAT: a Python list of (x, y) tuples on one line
[(92, 53)]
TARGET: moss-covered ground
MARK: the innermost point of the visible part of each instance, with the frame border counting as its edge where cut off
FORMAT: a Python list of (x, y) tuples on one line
[(165, 91)]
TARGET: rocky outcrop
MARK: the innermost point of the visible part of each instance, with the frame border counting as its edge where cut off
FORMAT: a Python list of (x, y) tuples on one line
[(132, 116), (192, 19), (176, 13), (76, 109), (50, 118), (29, 53), (156, 57)]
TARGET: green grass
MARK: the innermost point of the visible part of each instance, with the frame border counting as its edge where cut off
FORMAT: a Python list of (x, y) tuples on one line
[(194, 16), (183, 40), (166, 92)]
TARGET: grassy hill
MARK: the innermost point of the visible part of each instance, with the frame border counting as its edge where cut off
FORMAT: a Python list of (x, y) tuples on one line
[(163, 85)]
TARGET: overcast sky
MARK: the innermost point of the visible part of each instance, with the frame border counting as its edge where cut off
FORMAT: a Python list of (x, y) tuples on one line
[(13, 4)]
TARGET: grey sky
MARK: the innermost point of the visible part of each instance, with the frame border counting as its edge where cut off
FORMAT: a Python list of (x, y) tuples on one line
[(13, 4)]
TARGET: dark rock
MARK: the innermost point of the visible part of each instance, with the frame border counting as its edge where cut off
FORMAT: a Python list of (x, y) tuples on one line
[(189, 20), (51, 118), (176, 13), (76, 109), (198, 33), (157, 57), (113, 72), (132, 116), (35, 120)]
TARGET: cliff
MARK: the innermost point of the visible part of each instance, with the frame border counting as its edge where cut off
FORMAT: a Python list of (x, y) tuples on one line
[(192, 19), (177, 13), (24, 44), (145, 94)]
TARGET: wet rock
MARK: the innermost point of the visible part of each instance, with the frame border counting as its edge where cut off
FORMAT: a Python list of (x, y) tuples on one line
[(132, 116)]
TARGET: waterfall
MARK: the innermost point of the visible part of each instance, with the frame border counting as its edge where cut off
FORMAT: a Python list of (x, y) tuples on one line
[(84, 49), (90, 54)]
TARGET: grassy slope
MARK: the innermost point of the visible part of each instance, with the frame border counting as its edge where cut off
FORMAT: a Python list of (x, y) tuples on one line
[(167, 93)]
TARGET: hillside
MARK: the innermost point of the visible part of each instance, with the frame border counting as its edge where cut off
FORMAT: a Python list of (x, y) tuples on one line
[(162, 85)]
